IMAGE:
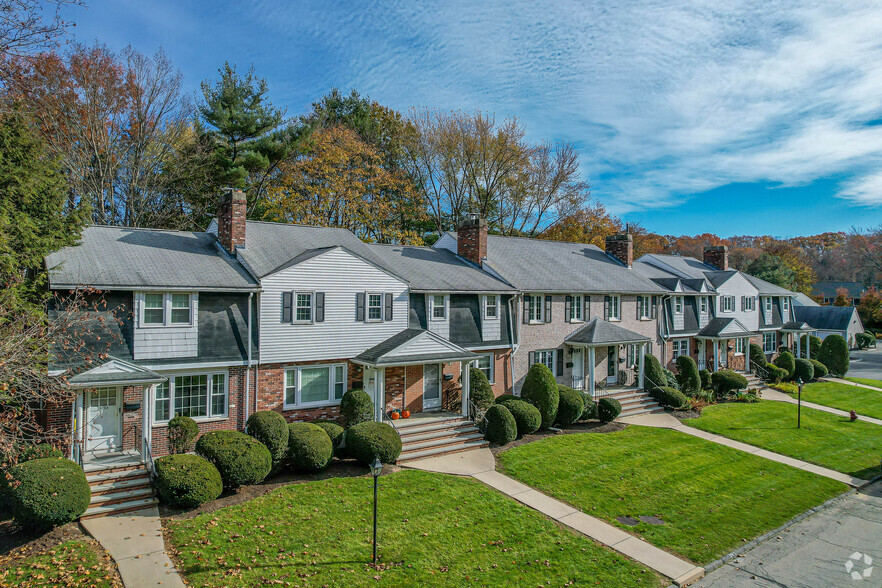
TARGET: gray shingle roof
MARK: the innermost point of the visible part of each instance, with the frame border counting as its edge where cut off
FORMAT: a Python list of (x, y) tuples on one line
[(555, 266), (828, 289), (825, 318), (600, 332), (115, 371), (719, 327), (384, 353), (687, 267), (436, 270), (122, 257), (766, 288)]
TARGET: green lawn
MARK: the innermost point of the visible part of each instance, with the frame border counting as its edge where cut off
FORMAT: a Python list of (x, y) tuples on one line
[(711, 497), (73, 563), (825, 439), (435, 530), (844, 397), (867, 382)]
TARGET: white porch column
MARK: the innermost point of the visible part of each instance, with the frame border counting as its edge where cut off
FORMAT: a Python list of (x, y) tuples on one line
[(799, 345), (716, 355), (747, 355), (466, 386), (640, 365), (380, 387), (591, 371)]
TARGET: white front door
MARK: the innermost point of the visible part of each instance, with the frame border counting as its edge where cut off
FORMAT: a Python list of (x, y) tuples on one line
[(103, 420), (374, 388), (612, 364), (702, 352), (431, 385), (724, 353), (578, 368)]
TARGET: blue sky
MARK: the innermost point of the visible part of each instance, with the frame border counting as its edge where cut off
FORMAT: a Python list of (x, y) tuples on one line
[(726, 117)]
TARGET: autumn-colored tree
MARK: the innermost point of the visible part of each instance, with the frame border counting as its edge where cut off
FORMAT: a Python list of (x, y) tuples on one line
[(342, 182), (842, 298), (590, 224), (870, 308), (29, 27)]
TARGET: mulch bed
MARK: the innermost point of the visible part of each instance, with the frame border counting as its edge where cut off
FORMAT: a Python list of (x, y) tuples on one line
[(682, 415), (589, 427)]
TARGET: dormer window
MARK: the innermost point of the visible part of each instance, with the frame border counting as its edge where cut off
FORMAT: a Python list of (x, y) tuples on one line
[(438, 310), (491, 307), (154, 309), (678, 305), (166, 309), (703, 304), (768, 305)]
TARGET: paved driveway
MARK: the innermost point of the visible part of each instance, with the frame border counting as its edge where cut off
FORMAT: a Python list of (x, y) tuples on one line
[(866, 364), (814, 552)]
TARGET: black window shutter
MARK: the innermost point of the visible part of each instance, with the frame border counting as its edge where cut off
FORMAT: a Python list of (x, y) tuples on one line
[(548, 309), (287, 301), (319, 307), (527, 311), (743, 303), (568, 307), (654, 308), (586, 314), (531, 358), (606, 303), (559, 355), (388, 306), (359, 306)]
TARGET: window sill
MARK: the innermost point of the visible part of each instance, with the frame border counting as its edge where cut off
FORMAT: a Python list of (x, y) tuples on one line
[(199, 420), (613, 319), (309, 406), (168, 326)]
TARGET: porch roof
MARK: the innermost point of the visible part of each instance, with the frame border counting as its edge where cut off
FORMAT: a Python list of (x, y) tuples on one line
[(598, 332), (413, 346), (724, 328), (797, 327), (115, 372)]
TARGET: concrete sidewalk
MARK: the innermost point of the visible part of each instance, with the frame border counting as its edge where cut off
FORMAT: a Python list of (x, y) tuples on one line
[(481, 465), (778, 396), (135, 542)]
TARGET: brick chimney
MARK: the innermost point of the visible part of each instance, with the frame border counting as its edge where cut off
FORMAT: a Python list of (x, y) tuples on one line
[(231, 220), (471, 239), (621, 247), (717, 256)]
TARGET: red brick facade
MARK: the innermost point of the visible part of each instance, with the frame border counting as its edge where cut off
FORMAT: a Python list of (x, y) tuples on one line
[(471, 240), (717, 256), (231, 220), (622, 248)]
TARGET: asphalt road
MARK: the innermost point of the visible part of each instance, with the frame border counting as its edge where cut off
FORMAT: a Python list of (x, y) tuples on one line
[(815, 551), (866, 364)]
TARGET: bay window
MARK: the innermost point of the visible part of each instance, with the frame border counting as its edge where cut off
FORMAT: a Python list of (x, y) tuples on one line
[(314, 385), (198, 396)]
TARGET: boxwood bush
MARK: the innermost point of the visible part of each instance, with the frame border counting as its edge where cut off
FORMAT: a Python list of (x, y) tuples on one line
[(501, 425), (187, 480), (590, 411), (39, 451), (705, 376), (653, 372), (775, 373), (834, 355), (820, 368), (370, 439), (687, 376), (864, 340), (569, 406), (480, 392), (804, 371), (181, 431), (526, 416), (725, 381), (786, 361), (608, 409), (271, 429), (47, 492), (309, 447), (757, 355), (334, 431), (540, 390), (240, 458), (356, 407), (669, 397), (815, 343)]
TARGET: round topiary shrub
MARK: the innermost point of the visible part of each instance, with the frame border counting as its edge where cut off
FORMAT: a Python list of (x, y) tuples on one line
[(864, 340), (540, 390), (569, 406), (757, 355), (687, 376), (181, 431), (653, 373), (786, 361), (834, 355), (804, 371), (356, 407), (608, 409), (40, 451), (669, 397), (187, 480), (370, 439), (501, 426), (820, 368), (480, 392), (309, 447), (725, 381), (240, 458), (815, 343), (271, 429), (503, 398), (705, 376), (47, 492), (590, 410), (526, 416), (776, 374), (334, 431)]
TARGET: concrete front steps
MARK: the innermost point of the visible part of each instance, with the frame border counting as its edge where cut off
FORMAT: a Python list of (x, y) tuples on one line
[(118, 488), (634, 401), (433, 436)]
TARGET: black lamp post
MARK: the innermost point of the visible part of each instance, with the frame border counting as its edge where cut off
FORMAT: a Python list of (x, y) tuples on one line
[(376, 470), (799, 383)]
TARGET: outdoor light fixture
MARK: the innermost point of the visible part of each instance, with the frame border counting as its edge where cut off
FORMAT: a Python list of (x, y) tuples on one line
[(376, 470), (799, 383)]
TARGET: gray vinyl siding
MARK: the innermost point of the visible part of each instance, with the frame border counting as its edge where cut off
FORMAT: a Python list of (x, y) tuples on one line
[(738, 286), (166, 342), (704, 317), (440, 327), (679, 319), (340, 276)]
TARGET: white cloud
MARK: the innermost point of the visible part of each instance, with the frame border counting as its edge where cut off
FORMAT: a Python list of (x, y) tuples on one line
[(865, 190)]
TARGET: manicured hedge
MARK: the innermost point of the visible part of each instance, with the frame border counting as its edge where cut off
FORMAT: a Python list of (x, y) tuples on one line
[(775, 373), (370, 439), (187, 480), (786, 361), (181, 431), (271, 429), (309, 447), (240, 459), (804, 371), (40, 451), (540, 390), (501, 425), (834, 355), (705, 376), (815, 343), (725, 381), (590, 411), (653, 373), (47, 492), (526, 416), (687, 376), (608, 409), (757, 355), (569, 406), (334, 431), (669, 397), (820, 368), (480, 392), (356, 407), (864, 340)]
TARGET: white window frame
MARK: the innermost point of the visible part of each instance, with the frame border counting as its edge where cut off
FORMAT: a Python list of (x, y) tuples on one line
[(631, 354), (332, 383), (678, 304), (546, 357), (739, 346), (702, 305), (786, 304), (577, 307), (680, 347), (433, 306), (645, 307), (749, 303), (166, 310), (295, 307), (537, 308), (615, 307), (491, 377), (768, 303), (728, 304), (209, 386), (774, 340), (494, 306), (367, 307)]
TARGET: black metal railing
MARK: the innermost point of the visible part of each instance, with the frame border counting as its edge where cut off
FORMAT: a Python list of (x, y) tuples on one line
[(477, 416)]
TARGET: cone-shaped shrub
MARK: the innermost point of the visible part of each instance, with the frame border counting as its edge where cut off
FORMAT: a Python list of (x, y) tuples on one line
[(540, 390)]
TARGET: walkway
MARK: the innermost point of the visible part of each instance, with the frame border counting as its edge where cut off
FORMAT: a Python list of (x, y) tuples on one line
[(770, 394), (481, 465), (135, 542)]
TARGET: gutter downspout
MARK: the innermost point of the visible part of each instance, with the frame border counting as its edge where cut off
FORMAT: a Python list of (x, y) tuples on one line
[(248, 367), (514, 343)]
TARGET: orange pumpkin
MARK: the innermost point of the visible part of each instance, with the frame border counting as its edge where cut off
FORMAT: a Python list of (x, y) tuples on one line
[(405, 414), (394, 416)]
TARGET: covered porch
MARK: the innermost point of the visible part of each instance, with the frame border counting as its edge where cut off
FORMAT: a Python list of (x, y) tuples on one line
[(794, 332), (724, 343), (610, 355)]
